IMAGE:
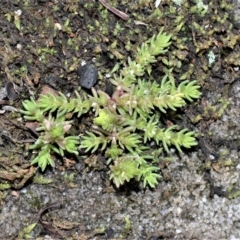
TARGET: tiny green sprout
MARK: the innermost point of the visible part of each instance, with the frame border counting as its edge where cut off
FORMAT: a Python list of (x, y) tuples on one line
[(127, 228), (25, 233), (69, 179), (17, 21)]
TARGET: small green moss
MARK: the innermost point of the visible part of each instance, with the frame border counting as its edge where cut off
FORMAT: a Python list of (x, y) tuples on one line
[(39, 179), (4, 186)]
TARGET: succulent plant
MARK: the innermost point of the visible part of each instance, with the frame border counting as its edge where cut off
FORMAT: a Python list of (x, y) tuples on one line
[(125, 123)]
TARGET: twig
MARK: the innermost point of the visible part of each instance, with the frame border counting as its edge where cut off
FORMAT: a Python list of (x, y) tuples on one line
[(117, 12), (48, 225)]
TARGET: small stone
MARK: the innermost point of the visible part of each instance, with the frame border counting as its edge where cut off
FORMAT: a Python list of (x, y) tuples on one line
[(11, 91), (88, 76)]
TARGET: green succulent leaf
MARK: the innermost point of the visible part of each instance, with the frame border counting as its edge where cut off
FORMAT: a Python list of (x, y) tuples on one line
[(123, 170), (159, 43), (30, 106), (135, 121), (144, 56), (43, 158), (56, 149), (106, 119), (54, 129), (50, 102), (81, 107), (172, 101), (183, 138), (179, 139), (32, 111), (150, 129), (165, 136), (38, 144), (149, 177), (71, 144), (114, 151), (93, 142), (133, 70), (190, 90), (99, 99), (130, 141)]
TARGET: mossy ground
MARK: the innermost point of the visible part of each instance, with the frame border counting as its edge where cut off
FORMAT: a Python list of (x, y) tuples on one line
[(49, 40)]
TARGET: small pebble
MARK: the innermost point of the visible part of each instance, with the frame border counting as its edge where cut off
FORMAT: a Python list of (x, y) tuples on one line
[(11, 91), (88, 76)]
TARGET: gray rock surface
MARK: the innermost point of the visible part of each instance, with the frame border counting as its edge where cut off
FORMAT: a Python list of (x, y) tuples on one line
[(179, 208)]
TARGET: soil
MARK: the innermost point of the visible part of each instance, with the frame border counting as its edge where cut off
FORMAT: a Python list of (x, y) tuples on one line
[(42, 46)]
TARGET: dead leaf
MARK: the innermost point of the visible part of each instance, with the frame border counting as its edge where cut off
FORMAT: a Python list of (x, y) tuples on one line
[(216, 167), (48, 225), (140, 23), (65, 225), (69, 163), (28, 81), (46, 89), (32, 125), (117, 12), (36, 78)]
